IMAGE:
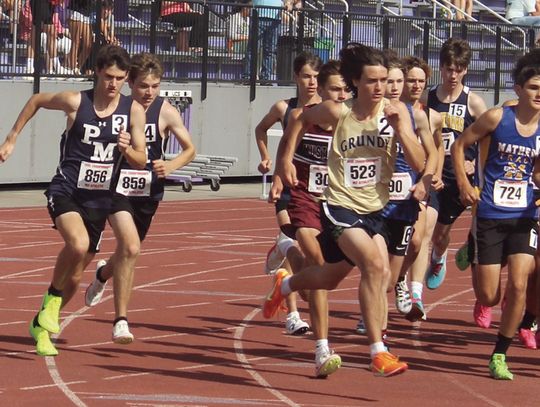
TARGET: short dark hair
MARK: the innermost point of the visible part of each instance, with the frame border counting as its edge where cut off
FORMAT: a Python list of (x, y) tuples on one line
[(110, 55), (329, 69), (306, 58), (145, 64), (526, 67), (411, 62), (455, 51), (353, 59), (393, 59)]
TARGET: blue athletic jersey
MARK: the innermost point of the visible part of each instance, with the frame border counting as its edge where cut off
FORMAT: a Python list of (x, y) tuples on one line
[(144, 184), (89, 155), (456, 117), (402, 206), (504, 171)]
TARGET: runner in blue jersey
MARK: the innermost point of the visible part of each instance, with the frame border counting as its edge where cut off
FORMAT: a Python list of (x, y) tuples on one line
[(138, 192), (103, 127), (504, 226)]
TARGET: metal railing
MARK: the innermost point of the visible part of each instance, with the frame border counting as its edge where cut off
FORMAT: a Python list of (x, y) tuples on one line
[(200, 47)]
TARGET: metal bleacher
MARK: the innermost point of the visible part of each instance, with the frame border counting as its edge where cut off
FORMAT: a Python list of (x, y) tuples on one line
[(203, 168)]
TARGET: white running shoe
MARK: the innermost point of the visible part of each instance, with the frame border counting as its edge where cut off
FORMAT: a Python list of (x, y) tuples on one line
[(274, 258), (121, 334), (294, 324), (403, 297), (326, 362), (95, 290)]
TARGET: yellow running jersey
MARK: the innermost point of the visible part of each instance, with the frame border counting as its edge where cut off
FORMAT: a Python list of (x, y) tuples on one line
[(361, 161)]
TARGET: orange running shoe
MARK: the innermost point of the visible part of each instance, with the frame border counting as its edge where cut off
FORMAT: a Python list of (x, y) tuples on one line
[(274, 299), (385, 364)]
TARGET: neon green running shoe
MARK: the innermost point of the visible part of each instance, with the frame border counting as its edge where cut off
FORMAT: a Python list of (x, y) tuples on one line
[(462, 257), (498, 368), (44, 346), (49, 315)]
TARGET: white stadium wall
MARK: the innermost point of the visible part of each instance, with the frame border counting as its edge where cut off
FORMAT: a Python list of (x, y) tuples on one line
[(223, 125)]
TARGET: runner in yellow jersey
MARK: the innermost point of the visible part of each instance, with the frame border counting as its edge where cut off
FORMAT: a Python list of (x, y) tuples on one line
[(360, 166)]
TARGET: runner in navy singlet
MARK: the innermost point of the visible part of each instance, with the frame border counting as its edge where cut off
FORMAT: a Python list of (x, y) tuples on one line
[(138, 192), (306, 68), (504, 229), (458, 107), (103, 127)]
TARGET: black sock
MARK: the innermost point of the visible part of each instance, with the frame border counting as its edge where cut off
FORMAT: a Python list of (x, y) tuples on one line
[(99, 276), (527, 321), (119, 319), (400, 279), (54, 291), (35, 321), (502, 345)]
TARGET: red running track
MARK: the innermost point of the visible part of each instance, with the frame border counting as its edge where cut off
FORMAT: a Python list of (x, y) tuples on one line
[(200, 339)]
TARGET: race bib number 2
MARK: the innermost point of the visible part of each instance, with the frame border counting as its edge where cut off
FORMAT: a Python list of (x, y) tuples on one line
[(96, 176), (134, 183), (362, 172), (510, 194), (318, 178)]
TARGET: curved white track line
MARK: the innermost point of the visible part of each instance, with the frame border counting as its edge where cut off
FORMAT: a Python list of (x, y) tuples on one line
[(239, 350)]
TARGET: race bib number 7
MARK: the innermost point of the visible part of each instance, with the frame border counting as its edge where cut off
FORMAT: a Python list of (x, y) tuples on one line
[(510, 194), (362, 172), (96, 176), (134, 182), (448, 139)]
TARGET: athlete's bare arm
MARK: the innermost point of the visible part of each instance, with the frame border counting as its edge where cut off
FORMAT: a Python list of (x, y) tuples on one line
[(435, 120), (172, 123), (276, 114), (132, 144), (285, 152), (477, 106), (398, 117), (481, 128), (68, 102), (423, 131)]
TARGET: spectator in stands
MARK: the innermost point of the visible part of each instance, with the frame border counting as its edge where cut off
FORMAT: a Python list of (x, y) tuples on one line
[(107, 23), (466, 6), (44, 11), (81, 34), (238, 31), (523, 12), (181, 15), (269, 22)]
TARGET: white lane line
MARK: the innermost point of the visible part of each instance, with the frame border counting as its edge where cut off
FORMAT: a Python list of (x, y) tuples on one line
[(417, 342), (188, 305), (239, 350)]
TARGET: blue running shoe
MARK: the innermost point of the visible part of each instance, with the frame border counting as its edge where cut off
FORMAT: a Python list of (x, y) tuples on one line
[(436, 272)]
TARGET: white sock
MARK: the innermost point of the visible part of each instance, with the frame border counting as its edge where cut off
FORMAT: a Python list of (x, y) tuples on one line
[(285, 286), (56, 62), (284, 243), (435, 257), (293, 314), (321, 345), (376, 347), (416, 289), (30, 65)]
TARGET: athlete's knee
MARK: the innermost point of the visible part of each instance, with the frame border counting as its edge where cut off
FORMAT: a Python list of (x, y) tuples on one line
[(487, 298), (129, 250)]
